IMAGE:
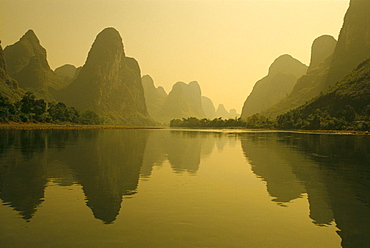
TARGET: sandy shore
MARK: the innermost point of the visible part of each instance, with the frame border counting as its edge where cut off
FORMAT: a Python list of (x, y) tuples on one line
[(43, 126)]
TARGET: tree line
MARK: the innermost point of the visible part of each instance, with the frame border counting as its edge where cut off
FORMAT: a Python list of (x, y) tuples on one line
[(254, 121), (348, 118), (31, 109), (301, 118)]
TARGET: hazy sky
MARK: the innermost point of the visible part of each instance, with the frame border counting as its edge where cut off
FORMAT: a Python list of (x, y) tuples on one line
[(225, 45)]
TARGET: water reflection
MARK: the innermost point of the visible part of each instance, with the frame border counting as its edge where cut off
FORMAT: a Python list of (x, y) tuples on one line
[(333, 170), (182, 149), (106, 163), (22, 172)]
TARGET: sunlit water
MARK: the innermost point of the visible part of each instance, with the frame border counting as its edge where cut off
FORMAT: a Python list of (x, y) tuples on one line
[(173, 188)]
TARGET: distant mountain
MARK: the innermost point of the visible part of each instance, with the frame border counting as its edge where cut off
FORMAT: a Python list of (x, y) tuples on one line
[(109, 83), (222, 112), (313, 82), (184, 100), (282, 76), (26, 62), (233, 113), (353, 43), (154, 97), (208, 107), (345, 105), (66, 73), (8, 86)]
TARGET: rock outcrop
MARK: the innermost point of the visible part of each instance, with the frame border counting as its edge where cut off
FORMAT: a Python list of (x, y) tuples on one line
[(109, 83), (222, 112), (353, 43), (313, 82), (282, 76), (8, 86), (154, 97), (345, 105), (208, 107), (26, 62), (184, 100)]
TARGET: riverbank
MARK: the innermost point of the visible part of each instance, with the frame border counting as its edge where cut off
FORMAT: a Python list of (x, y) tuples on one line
[(44, 126)]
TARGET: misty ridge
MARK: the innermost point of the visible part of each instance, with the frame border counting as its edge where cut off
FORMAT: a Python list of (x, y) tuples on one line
[(332, 92)]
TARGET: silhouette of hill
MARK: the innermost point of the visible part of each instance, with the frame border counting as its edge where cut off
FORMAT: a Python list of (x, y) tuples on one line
[(109, 83), (313, 82), (8, 86), (282, 76), (26, 62), (184, 100), (353, 42), (154, 97), (66, 73), (222, 112), (208, 107), (345, 105)]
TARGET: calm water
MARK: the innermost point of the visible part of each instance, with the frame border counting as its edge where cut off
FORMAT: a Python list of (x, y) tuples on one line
[(163, 188)]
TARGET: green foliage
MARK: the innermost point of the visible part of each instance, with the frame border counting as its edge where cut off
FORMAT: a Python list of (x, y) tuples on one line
[(254, 121), (345, 105), (30, 109), (91, 118)]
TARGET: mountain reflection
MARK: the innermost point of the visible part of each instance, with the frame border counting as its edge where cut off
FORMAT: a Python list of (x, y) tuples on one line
[(106, 163), (22, 171), (333, 170), (182, 149)]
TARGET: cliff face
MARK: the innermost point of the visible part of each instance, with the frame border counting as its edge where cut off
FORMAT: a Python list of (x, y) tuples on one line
[(154, 97), (208, 107), (109, 83), (353, 43), (352, 48), (313, 82), (8, 86), (322, 47), (345, 105), (279, 82), (184, 100), (26, 62)]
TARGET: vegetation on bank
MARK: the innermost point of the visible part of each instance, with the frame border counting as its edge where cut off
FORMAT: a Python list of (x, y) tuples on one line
[(254, 121), (344, 106), (299, 118), (31, 109)]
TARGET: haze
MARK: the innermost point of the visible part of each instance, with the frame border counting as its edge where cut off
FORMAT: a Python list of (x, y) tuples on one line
[(224, 45)]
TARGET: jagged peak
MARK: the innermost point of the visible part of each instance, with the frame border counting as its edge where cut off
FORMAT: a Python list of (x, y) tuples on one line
[(30, 36)]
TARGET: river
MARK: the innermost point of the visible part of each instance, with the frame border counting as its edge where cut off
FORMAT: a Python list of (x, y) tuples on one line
[(183, 188)]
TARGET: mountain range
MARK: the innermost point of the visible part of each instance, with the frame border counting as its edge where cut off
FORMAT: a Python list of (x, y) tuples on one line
[(331, 61), (183, 101), (109, 83)]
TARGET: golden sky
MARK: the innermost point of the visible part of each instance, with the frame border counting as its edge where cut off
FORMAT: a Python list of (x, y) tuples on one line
[(225, 45)]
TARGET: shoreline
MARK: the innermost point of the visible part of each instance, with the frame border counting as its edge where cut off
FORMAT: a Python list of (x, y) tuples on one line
[(51, 126)]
